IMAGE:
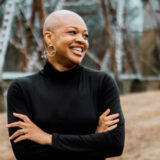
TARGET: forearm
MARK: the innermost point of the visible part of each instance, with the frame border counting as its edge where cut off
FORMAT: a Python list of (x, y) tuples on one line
[(28, 149), (107, 144)]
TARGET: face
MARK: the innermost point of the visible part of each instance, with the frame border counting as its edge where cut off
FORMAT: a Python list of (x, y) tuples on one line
[(70, 37)]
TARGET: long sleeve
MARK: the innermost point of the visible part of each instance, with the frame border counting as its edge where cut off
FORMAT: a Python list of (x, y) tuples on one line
[(106, 144), (16, 103), (67, 105)]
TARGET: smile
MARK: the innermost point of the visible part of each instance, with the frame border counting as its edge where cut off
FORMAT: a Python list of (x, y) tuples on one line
[(77, 51)]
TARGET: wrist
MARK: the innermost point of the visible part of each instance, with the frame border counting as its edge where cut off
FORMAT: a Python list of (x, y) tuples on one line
[(49, 139), (97, 129)]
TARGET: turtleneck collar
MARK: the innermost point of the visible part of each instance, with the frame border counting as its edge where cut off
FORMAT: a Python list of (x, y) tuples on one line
[(51, 72)]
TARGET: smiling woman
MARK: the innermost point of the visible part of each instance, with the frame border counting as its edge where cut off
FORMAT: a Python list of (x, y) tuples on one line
[(69, 36), (65, 111)]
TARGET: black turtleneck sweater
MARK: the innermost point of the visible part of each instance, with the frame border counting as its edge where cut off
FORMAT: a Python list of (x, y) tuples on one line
[(67, 105)]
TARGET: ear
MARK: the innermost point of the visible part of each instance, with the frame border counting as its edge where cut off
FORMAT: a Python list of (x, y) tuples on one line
[(47, 37)]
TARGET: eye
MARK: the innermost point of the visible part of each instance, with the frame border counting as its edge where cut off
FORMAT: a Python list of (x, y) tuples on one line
[(72, 32), (85, 36)]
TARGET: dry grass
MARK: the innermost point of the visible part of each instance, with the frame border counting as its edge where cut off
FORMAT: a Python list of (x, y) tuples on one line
[(142, 115), (5, 147)]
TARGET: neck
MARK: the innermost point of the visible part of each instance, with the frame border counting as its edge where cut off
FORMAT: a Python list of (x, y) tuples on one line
[(60, 66)]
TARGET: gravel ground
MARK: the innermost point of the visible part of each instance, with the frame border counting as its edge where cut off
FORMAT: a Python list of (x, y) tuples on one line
[(142, 116)]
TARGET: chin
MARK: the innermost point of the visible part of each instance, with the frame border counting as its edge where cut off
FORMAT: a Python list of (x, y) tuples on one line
[(77, 60)]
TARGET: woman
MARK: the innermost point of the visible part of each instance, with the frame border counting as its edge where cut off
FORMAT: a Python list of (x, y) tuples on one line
[(65, 110)]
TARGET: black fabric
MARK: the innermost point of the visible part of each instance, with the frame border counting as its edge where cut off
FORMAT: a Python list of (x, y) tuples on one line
[(67, 105)]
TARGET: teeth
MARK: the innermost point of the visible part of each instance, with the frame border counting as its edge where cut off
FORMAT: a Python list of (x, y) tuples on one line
[(77, 49)]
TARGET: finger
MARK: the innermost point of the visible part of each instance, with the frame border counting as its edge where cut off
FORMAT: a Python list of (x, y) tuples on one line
[(20, 138), (22, 116), (111, 117), (105, 113), (111, 127), (110, 123), (17, 133), (16, 124)]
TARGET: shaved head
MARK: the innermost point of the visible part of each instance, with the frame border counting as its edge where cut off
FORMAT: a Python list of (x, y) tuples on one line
[(56, 18)]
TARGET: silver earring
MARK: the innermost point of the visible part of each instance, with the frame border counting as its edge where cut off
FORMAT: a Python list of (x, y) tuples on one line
[(43, 56), (51, 50)]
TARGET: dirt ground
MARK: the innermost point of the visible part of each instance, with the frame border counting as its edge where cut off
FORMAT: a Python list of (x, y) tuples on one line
[(142, 115)]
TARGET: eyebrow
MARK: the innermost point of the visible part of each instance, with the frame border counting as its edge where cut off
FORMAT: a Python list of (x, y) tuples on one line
[(76, 28)]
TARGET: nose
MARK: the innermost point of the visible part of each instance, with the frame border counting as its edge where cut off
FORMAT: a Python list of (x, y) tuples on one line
[(82, 41)]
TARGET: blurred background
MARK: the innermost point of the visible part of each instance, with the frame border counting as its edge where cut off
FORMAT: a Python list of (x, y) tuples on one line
[(124, 38)]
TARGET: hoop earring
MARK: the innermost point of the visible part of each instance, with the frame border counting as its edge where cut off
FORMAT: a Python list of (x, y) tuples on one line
[(51, 50)]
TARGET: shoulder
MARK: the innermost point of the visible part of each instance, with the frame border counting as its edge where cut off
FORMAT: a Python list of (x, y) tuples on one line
[(104, 76), (103, 80), (21, 82)]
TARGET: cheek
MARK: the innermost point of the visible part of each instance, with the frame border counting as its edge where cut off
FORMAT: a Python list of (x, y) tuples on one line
[(87, 45), (65, 42), (61, 45)]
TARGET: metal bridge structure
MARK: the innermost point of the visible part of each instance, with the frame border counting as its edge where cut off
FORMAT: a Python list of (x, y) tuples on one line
[(13, 8)]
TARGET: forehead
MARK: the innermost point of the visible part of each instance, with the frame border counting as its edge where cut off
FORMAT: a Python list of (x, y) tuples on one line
[(71, 21)]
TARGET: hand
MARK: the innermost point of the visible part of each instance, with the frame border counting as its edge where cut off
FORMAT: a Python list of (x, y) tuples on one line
[(29, 131), (107, 122)]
